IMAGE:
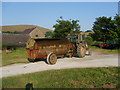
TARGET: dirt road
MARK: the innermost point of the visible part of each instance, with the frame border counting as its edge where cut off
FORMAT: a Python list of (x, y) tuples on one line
[(96, 60)]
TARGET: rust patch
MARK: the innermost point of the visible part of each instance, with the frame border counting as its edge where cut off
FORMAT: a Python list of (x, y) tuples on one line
[(40, 48)]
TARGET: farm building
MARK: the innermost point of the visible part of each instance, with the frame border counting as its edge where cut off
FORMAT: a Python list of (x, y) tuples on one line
[(17, 35), (34, 33), (14, 40)]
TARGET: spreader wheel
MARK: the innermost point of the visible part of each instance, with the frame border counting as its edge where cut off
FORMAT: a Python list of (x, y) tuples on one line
[(51, 58)]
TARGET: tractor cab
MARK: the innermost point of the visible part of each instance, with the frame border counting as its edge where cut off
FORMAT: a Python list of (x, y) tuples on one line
[(76, 37)]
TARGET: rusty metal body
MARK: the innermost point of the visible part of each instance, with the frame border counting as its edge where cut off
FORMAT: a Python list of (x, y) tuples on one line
[(40, 48)]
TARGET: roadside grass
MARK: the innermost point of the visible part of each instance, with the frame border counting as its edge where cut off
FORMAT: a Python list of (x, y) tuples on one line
[(111, 51), (17, 56), (102, 77)]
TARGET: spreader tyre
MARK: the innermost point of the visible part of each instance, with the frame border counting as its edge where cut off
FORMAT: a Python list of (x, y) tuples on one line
[(51, 58)]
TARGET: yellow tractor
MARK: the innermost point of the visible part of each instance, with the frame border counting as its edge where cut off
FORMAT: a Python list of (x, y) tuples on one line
[(81, 46)]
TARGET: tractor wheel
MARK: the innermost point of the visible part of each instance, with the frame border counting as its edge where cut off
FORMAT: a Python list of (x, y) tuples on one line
[(51, 58), (81, 50)]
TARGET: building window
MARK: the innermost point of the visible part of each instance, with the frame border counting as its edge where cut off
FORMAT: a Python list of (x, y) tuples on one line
[(36, 35)]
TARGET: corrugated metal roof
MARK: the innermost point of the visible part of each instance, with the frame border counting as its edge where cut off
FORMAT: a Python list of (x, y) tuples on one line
[(14, 39)]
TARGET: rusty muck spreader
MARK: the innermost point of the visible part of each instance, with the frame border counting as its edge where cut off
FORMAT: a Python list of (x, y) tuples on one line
[(49, 49)]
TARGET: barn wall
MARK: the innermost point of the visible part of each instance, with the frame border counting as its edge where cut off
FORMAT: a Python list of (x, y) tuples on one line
[(36, 33)]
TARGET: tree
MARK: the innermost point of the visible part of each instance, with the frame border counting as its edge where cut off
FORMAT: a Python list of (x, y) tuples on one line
[(88, 31), (116, 22), (48, 34), (64, 27), (89, 40), (75, 26), (103, 29), (117, 28)]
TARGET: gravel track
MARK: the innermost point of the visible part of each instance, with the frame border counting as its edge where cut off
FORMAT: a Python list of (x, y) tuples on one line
[(95, 60)]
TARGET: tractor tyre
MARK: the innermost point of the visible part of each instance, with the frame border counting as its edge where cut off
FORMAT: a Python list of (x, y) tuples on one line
[(81, 51), (51, 58)]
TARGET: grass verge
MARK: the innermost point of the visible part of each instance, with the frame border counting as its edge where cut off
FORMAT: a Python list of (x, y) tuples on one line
[(17, 56), (105, 77), (111, 51)]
